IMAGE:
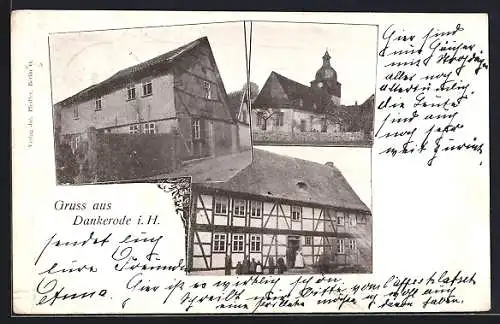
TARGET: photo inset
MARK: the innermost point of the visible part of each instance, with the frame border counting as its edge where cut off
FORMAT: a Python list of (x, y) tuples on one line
[(285, 214), (149, 103), (316, 84)]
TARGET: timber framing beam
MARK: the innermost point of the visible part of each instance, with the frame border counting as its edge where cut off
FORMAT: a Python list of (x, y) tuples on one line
[(271, 231)]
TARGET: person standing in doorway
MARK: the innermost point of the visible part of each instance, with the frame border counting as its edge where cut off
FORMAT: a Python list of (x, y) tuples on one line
[(299, 259)]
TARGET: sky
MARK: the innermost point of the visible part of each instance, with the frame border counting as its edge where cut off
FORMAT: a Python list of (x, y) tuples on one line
[(295, 50), (353, 162), (79, 60)]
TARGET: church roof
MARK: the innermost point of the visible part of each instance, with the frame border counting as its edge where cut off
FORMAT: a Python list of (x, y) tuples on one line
[(277, 176), (312, 99), (326, 71)]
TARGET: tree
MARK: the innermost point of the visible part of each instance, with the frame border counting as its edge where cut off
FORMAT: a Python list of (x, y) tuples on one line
[(67, 166), (235, 98), (266, 114), (254, 90)]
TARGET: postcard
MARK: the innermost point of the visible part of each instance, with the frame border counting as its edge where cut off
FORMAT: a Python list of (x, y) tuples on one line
[(197, 163)]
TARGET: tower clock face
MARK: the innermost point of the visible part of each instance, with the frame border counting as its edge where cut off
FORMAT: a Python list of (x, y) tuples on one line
[(320, 84)]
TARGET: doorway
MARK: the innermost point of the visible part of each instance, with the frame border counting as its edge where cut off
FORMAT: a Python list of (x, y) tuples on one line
[(292, 246)]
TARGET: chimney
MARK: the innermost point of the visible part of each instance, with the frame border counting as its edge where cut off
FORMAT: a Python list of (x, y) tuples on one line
[(330, 164)]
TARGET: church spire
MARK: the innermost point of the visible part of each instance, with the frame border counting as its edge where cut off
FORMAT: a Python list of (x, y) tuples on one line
[(326, 58)]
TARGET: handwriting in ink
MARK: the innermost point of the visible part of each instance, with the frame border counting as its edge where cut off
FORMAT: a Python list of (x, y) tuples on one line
[(90, 240), (52, 292)]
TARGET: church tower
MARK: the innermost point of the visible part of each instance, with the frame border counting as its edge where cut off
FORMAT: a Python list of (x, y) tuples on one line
[(326, 80)]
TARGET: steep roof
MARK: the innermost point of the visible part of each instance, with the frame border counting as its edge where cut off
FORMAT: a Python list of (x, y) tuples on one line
[(121, 77), (277, 176), (293, 89), (313, 99)]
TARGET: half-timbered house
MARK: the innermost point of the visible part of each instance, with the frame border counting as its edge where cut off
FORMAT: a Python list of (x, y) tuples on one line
[(180, 90), (275, 205)]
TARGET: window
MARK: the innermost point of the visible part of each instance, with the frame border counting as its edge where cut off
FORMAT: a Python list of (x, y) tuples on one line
[(296, 213), (362, 219), (278, 118), (147, 88), (340, 246), (98, 104), (238, 240), (76, 142), (196, 129), (239, 207), (219, 243), (352, 245), (244, 116), (149, 128), (134, 129), (308, 240), (340, 218), (131, 92), (208, 88), (301, 102), (255, 245), (256, 209), (352, 219), (314, 106), (220, 205), (75, 112), (259, 119)]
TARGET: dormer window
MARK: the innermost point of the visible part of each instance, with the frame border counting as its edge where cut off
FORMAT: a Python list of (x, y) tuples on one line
[(302, 185)]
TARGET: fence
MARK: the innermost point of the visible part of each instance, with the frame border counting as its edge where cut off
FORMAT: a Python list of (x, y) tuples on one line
[(281, 137), (114, 157)]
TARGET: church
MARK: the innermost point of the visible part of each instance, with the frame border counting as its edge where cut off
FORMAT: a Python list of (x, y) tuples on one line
[(285, 107)]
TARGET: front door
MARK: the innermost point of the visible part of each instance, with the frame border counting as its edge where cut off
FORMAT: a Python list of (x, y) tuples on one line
[(201, 136), (292, 247)]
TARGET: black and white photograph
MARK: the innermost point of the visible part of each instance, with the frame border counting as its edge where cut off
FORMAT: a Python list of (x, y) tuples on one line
[(315, 83), (294, 210), (145, 103)]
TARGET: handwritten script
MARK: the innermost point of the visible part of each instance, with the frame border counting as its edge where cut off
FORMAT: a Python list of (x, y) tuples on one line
[(126, 263), (428, 79)]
